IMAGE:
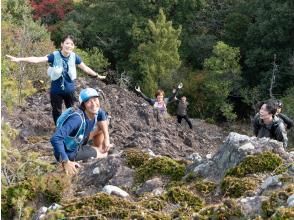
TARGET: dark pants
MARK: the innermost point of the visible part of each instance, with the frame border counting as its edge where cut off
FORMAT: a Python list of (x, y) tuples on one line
[(56, 103), (180, 117)]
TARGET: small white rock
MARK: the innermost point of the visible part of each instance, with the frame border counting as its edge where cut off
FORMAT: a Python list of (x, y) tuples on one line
[(110, 189), (96, 170)]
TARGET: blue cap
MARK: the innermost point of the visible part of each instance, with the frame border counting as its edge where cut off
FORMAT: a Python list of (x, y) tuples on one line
[(87, 93)]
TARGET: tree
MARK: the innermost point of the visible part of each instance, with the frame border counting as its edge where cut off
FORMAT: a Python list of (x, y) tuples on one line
[(51, 11), (223, 71), (23, 37), (158, 57)]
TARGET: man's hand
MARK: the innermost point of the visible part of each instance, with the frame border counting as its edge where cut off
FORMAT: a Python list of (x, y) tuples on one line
[(70, 167), (137, 88), (100, 77), (13, 59), (180, 86), (106, 148)]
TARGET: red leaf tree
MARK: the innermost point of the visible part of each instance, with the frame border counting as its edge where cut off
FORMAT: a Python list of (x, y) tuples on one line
[(51, 11)]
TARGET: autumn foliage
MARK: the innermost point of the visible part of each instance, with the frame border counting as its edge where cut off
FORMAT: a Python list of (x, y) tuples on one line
[(51, 11)]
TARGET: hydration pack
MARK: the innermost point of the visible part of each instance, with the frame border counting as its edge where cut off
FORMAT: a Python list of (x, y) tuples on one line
[(71, 143)]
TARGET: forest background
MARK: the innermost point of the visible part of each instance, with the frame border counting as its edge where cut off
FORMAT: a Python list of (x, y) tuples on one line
[(229, 54)]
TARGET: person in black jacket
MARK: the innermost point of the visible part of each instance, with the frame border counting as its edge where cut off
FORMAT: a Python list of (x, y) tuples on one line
[(287, 121), (182, 111), (266, 124)]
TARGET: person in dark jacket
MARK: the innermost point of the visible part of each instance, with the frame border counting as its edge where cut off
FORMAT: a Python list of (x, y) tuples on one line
[(287, 121), (69, 145), (182, 111), (266, 124)]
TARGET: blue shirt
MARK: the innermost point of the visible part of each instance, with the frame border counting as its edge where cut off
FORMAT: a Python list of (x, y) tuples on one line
[(69, 85), (70, 128)]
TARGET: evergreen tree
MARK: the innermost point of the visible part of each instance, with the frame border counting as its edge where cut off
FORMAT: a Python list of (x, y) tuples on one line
[(158, 57), (223, 71)]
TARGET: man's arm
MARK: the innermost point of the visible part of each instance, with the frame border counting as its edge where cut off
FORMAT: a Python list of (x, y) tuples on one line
[(175, 92), (103, 125), (69, 128), (288, 121), (149, 100), (28, 59), (89, 71), (256, 124), (281, 134)]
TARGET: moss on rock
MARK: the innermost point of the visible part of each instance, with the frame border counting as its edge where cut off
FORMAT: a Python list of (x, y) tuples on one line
[(283, 213), (160, 166), (204, 187), (263, 162), (104, 206), (135, 158), (24, 195), (236, 187), (155, 203), (276, 200), (184, 197), (229, 209)]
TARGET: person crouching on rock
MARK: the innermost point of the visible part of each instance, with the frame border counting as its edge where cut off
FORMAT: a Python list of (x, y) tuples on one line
[(71, 136), (159, 104), (266, 124)]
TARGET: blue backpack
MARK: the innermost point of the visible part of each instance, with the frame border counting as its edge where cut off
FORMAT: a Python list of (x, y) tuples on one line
[(71, 143)]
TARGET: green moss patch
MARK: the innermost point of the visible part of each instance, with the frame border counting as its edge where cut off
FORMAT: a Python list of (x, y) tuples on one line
[(160, 166), (103, 206), (236, 187), (135, 158), (263, 162), (283, 213), (184, 197), (156, 203), (20, 199), (276, 200), (204, 187), (229, 209)]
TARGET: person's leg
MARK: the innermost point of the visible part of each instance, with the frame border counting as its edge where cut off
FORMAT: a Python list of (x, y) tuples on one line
[(97, 137), (179, 119), (69, 99), (188, 121), (56, 103), (87, 152)]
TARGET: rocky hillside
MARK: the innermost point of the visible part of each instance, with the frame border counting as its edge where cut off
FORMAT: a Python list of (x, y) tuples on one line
[(155, 171)]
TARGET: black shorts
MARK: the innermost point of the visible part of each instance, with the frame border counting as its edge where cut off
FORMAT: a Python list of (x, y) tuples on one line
[(86, 152)]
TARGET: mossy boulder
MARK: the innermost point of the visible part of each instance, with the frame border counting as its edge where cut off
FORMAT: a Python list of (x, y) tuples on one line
[(236, 187), (160, 166), (264, 162), (135, 158)]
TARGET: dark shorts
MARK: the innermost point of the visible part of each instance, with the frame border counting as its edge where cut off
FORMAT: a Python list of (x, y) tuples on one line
[(86, 152)]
